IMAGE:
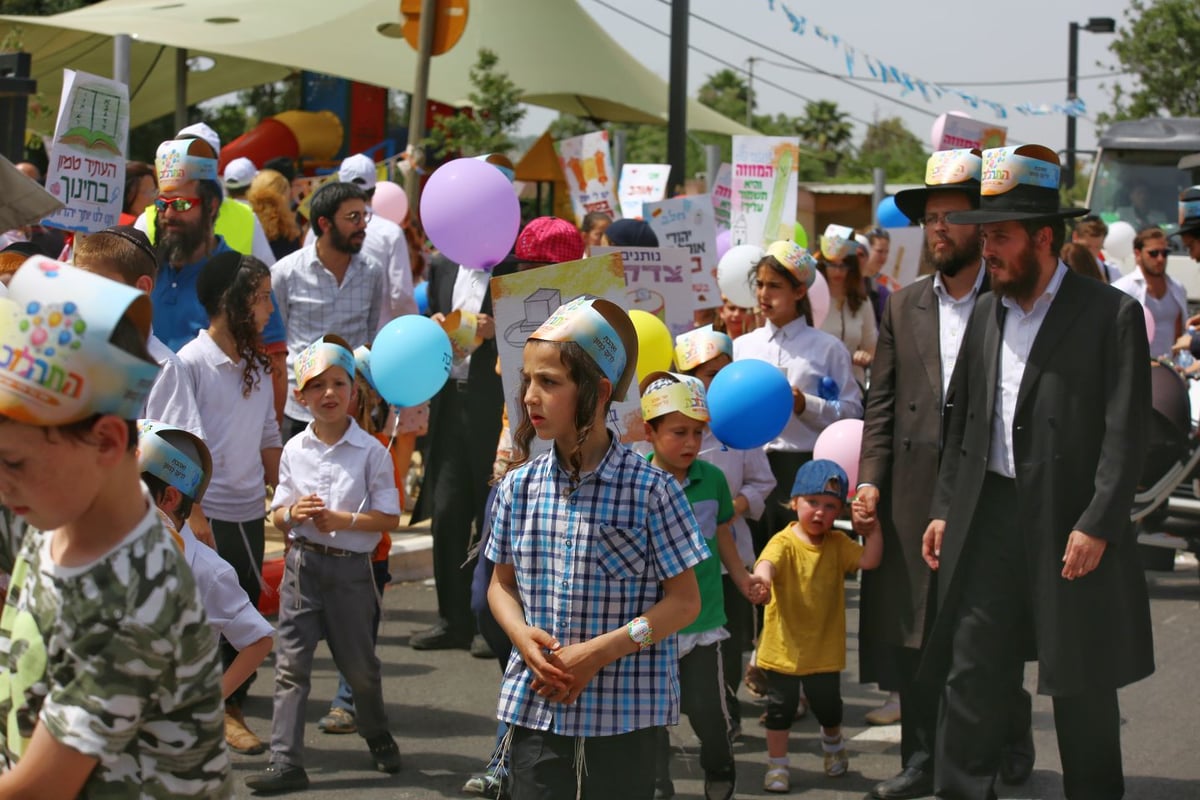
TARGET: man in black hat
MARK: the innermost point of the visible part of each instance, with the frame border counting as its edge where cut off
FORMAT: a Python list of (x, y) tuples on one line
[(1189, 221), (919, 338), (1031, 538)]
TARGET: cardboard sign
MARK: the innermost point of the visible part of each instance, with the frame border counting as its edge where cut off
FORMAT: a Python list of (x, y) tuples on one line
[(587, 165), (904, 258), (688, 222), (965, 133), (87, 156), (722, 196), (524, 300), (641, 183), (766, 173), (657, 281)]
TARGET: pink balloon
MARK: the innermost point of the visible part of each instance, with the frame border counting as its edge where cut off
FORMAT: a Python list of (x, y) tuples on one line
[(471, 213), (841, 443), (390, 202), (724, 242), (1150, 326), (818, 296)]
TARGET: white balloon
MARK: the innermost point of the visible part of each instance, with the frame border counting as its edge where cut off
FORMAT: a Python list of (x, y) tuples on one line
[(735, 274), (1118, 244)]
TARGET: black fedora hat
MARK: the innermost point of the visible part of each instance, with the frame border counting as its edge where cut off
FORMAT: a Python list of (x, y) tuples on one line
[(1018, 183), (945, 171), (1189, 211)]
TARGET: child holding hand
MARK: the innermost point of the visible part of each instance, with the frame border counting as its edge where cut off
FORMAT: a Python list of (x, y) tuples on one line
[(804, 631)]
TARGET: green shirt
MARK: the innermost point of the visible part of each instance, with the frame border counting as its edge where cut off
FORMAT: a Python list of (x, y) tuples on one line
[(708, 492)]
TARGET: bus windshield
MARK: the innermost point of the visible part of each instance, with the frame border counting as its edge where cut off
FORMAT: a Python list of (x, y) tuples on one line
[(1140, 187)]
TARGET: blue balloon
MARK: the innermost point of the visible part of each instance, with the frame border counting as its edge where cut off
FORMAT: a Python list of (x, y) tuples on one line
[(890, 215), (828, 389), (749, 402), (421, 295), (410, 360)]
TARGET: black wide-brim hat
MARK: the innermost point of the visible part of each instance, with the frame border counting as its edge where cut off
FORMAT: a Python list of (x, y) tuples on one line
[(1189, 211), (1018, 183), (945, 171)]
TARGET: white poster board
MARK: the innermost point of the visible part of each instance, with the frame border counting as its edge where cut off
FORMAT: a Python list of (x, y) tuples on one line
[(689, 222), (766, 173), (587, 165), (641, 183), (657, 282), (722, 196)]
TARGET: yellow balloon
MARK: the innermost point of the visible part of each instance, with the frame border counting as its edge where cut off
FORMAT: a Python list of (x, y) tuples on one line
[(655, 348)]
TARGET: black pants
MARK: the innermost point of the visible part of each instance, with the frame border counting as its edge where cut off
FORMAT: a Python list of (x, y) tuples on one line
[(993, 621), (616, 767), (290, 427), (824, 693), (247, 564), (739, 621), (702, 698), (463, 472)]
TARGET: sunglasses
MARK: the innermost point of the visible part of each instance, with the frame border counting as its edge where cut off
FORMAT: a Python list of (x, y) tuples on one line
[(176, 204), (1157, 253)]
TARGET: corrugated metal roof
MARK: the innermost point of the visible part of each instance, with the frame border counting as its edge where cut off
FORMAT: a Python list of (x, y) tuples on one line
[(855, 188)]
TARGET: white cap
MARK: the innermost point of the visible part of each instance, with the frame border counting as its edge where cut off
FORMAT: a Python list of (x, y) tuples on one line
[(201, 131), (358, 169), (239, 173)]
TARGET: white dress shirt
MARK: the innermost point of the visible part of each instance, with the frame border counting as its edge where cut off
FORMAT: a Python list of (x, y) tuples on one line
[(354, 474), (952, 322), (470, 286), (229, 610), (748, 473), (1020, 330), (805, 355), (312, 304), (237, 428), (171, 399)]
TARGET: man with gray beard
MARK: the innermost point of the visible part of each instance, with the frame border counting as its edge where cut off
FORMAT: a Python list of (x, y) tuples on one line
[(919, 339)]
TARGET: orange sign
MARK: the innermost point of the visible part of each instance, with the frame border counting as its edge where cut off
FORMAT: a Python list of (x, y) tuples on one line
[(450, 22)]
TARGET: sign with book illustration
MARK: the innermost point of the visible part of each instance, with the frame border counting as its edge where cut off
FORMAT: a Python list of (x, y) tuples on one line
[(522, 301), (587, 165), (689, 222), (658, 281), (765, 177), (87, 155)]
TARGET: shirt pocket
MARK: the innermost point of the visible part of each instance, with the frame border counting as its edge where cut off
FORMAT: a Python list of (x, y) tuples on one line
[(622, 552)]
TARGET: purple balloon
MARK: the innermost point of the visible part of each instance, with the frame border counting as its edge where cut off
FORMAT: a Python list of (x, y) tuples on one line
[(724, 242), (471, 213)]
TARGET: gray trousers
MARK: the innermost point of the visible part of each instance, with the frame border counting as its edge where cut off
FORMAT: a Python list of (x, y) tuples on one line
[(332, 598)]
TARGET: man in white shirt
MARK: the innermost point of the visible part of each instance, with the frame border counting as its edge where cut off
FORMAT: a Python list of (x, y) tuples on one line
[(1149, 284)]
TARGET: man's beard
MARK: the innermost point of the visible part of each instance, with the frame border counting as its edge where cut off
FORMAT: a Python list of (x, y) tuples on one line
[(1019, 288), (953, 261), (178, 246), (343, 244)]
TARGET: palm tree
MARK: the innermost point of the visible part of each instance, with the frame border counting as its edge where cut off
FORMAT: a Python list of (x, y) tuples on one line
[(826, 130)]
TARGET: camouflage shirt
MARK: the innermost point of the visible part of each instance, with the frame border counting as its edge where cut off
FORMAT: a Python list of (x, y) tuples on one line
[(117, 660)]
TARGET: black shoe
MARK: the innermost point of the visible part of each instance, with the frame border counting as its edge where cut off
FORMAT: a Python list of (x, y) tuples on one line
[(1016, 761), (480, 648), (664, 789), (910, 783), (385, 752), (719, 787), (441, 637), (277, 779)]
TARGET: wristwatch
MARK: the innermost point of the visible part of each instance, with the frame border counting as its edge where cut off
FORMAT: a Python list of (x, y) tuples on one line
[(640, 632), (287, 516)]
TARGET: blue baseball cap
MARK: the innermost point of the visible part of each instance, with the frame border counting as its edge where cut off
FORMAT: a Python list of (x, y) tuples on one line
[(821, 477)]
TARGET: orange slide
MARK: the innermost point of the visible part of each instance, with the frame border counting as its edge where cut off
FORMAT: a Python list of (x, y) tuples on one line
[(296, 134)]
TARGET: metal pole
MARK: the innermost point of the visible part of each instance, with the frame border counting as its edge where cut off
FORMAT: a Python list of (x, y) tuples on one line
[(750, 95), (416, 104), (181, 81), (677, 97), (618, 153), (712, 163), (1072, 75), (880, 177), (122, 45)]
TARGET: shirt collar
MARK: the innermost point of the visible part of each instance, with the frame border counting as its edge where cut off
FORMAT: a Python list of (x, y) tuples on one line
[(210, 351), (789, 331), (1047, 297), (314, 260), (939, 287), (694, 474), (606, 471), (354, 436)]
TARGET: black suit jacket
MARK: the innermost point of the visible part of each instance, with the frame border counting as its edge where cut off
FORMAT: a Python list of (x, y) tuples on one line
[(1079, 434)]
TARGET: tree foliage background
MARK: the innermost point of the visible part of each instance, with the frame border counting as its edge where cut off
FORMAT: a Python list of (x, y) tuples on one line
[(1158, 44)]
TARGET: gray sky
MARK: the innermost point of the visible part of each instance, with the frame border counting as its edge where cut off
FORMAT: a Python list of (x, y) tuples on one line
[(953, 43)]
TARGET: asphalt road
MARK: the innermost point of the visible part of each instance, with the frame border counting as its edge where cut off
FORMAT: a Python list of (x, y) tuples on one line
[(442, 704)]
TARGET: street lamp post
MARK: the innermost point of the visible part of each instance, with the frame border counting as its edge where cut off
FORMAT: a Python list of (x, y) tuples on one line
[(1093, 25)]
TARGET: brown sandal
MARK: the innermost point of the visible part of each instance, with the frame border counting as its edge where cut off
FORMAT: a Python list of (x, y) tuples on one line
[(756, 681)]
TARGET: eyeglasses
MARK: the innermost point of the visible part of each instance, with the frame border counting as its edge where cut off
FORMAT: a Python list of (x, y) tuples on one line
[(176, 204), (930, 220), (358, 217), (1157, 253)]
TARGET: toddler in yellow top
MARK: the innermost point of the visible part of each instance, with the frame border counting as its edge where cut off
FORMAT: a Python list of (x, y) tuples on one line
[(804, 631)]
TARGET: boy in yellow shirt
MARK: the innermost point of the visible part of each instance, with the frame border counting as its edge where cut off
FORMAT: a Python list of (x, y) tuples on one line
[(804, 630)]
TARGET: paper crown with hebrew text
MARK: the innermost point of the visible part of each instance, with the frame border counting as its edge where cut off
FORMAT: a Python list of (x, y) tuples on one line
[(162, 459), (700, 346), (328, 351), (796, 260), (1017, 183), (603, 330), (945, 171), (664, 392)]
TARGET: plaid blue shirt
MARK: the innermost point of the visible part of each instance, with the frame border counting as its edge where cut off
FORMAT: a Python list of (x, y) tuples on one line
[(586, 563)]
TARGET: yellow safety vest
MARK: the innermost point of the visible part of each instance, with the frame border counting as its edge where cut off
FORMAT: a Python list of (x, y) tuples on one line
[(235, 223)]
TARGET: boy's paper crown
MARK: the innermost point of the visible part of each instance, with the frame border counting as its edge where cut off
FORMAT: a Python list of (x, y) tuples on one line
[(605, 333), (179, 161), (328, 351), (838, 242), (796, 260), (168, 463), (362, 363), (57, 365), (664, 392), (821, 477), (701, 346)]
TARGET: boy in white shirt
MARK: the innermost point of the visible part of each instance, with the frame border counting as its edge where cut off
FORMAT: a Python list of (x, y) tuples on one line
[(336, 493), (176, 467)]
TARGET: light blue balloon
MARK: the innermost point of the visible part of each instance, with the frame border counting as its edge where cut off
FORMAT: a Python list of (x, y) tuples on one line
[(749, 402), (421, 295), (890, 215), (410, 360)]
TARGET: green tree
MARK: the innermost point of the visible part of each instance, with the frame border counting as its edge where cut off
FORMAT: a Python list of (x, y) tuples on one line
[(826, 131), (496, 112), (727, 93), (890, 145), (41, 8), (1158, 44)]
